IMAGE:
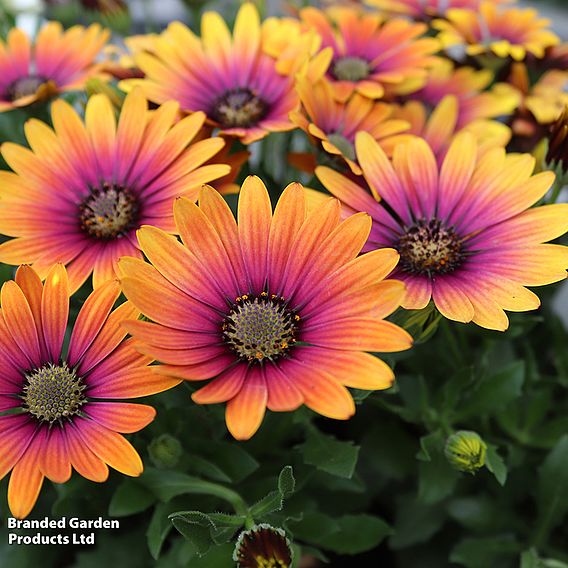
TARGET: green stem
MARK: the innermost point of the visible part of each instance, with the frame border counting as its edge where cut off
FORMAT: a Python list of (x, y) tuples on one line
[(217, 490)]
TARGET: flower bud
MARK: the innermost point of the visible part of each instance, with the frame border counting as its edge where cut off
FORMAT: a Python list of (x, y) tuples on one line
[(263, 545), (465, 451), (165, 451)]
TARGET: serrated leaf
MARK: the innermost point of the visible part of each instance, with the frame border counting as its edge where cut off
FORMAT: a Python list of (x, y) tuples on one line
[(495, 464), (274, 501), (329, 454), (195, 527), (286, 481), (130, 498)]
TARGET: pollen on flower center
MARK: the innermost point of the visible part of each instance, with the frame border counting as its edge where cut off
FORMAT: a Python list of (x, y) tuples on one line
[(24, 86), (342, 144), (428, 247), (351, 69), (260, 327), (239, 107), (109, 212), (53, 392)]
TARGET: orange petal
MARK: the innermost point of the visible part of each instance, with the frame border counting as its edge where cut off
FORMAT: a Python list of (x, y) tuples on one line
[(121, 417), (55, 310)]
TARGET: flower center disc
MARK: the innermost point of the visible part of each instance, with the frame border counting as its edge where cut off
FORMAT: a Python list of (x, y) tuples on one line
[(351, 69), (109, 212), (24, 86), (260, 327), (429, 248), (53, 392), (239, 107)]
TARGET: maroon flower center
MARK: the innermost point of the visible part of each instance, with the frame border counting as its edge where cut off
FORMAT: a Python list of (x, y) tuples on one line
[(260, 327), (109, 212), (53, 392), (239, 108), (351, 69), (24, 86), (430, 248), (263, 546)]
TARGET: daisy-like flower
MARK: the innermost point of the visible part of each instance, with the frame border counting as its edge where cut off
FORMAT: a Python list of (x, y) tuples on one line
[(440, 125), (364, 53), (494, 30), (80, 193), (262, 308), (333, 125), (58, 61), (471, 88), (425, 9), (263, 545), (230, 79), (62, 404), (465, 231)]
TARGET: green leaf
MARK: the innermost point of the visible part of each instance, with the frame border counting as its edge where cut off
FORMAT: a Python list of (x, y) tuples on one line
[(195, 527), (232, 459), (484, 552), (356, 534), (130, 498), (552, 490), (274, 501), (314, 527), (495, 464), (436, 478), (494, 392), (158, 529), (530, 559), (330, 455)]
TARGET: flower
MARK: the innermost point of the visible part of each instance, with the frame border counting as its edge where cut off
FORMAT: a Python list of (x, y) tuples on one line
[(62, 404), (230, 79), (441, 126), (82, 191), (262, 308), (263, 545), (506, 32), (470, 87), (465, 231), (333, 125), (425, 9), (364, 53), (465, 451), (59, 61)]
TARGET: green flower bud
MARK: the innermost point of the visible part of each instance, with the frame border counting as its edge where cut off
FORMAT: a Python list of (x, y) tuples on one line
[(165, 451), (465, 451)]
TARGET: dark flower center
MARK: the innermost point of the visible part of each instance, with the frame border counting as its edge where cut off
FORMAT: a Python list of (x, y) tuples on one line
[(343, 144), (109, 212), (24, 86), (260, 327), (239, 107), (351, 69), (428, 247), (53, 392), (263, 546)]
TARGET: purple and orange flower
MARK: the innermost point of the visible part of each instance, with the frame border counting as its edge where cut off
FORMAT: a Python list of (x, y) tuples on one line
[(477, 97), (466, 232), (80, 193), (59, 405), (262, 309), (491, 29), (426, 9), (440, 126), (231, 79), (58, 61), (332, 125), (364, 53)]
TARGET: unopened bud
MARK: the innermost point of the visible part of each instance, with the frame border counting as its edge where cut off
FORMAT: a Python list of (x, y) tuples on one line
[(165, 451), (465, 451)]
